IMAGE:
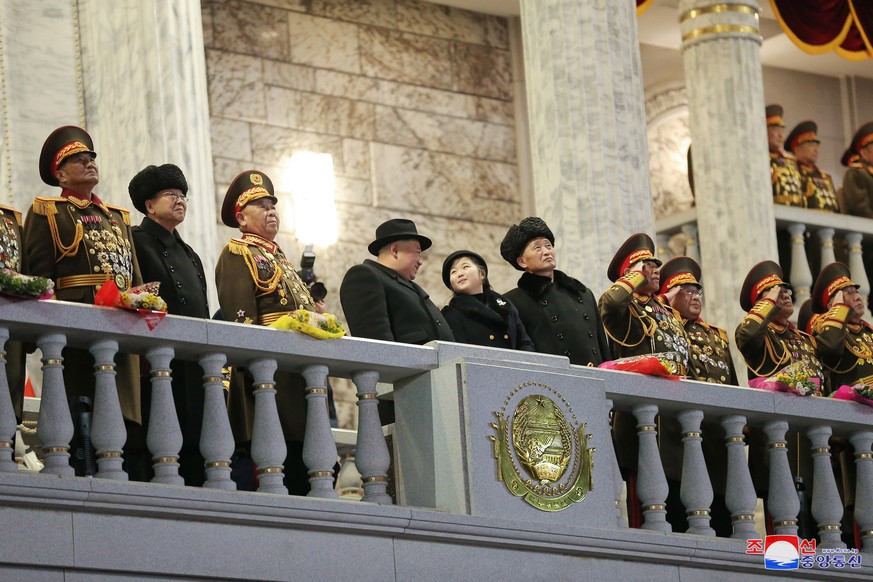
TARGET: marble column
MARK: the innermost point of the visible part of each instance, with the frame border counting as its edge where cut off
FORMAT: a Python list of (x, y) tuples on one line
[(144, 70), (587, 129), (721, 52)]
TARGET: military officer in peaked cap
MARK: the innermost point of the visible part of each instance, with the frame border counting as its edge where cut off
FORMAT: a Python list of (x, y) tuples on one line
[(710, 348), (787, 184), (765, 337), (12, 258), (637, 320), (257, 284), (858, 180), (817, 186), (844, 340), (806, 319), (558, 311), (80, 242)]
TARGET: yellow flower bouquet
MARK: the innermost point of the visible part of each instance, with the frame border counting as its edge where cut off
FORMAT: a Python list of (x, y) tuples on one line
[(317, 325)]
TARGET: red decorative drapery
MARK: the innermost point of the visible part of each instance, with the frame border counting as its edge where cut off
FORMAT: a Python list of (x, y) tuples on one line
[(643, 5), (819, 26)]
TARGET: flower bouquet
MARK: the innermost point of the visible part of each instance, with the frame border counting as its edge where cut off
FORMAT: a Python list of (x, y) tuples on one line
[(794, 378), (317, 325), (860, 393), (663, 364), (143, 299), (14, 284)]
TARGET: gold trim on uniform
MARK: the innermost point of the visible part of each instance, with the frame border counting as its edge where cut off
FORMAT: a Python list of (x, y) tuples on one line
[(92, 280)]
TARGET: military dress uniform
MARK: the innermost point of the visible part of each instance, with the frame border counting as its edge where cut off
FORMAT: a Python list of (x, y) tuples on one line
[(80, 243), (257, 284), (817, 186), (12, 258), (784, 176)]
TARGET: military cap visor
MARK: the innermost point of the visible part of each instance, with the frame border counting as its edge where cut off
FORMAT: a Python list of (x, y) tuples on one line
[(519, 235), (833, 277), (805, 132), (450, 260), (761, 277), (863, 137), (247, 187), (639, 247), (63, 142), (679, 271), (394, 230)]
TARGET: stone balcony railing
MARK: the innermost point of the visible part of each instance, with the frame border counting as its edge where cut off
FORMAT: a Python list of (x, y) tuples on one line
[(821, 228), (454, 517)]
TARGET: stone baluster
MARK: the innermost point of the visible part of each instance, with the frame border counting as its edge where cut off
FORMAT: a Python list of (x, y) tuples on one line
[(617, 481), (692, 246), (856, 266), (349, 482), (696, 489), (782, 500), (55, 424), (107, 429), (373, 459), (651, 481), (319, 448), (862, 442), (268, 442), (216, 437), (662, 251), (740, 496), (800, 276), (827, 509), (826, 240), (8, 425), (164, 437)]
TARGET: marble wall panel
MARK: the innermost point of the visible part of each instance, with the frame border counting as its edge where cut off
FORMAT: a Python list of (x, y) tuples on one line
[(491, 110), (324, 43), (445, 134), (289, 76), (231, 138), (482, 70), (496, 181), (298, 5), (356, 159), (433, 19), (391, 93), (353, 190), (275, 145), (376, 12), (437, 184), (252, 29), (206, 17), (406, 57), (236, 86), (320, 113)]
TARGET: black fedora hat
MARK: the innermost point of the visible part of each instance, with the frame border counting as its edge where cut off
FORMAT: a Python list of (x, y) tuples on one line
[(832, 278), (151, 180), (246, 187), (397, 229), (61, 144), (520, 234), (638, 247), (680, 271), (447, 264), (760, 278)]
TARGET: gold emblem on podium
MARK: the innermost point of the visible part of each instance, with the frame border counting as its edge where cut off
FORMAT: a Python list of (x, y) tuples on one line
[(541, 456)]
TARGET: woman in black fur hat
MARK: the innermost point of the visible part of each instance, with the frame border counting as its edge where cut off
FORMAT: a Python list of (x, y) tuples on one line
[(161, 194), (476, 313)]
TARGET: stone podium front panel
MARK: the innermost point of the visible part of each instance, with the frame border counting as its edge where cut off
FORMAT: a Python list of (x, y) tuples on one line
[(508, 442)]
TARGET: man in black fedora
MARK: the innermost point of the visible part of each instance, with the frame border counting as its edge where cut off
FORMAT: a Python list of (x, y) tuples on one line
[(380, 299)]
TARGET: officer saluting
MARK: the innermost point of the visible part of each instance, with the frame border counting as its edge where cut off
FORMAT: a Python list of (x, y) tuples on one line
[(80, 242)]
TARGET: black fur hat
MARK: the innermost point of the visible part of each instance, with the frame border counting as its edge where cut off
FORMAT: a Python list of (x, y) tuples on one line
[(152, 180), (519, 235)]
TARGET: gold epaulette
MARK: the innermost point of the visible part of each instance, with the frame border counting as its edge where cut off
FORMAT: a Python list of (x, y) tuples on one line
[(125, 213), (46, 206), (761, 310), (238, 247), (722, 333), (631, 281), (856, 165), (14, 212)]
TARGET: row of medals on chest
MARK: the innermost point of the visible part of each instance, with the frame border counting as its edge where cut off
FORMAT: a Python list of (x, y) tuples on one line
[(109, 246)]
